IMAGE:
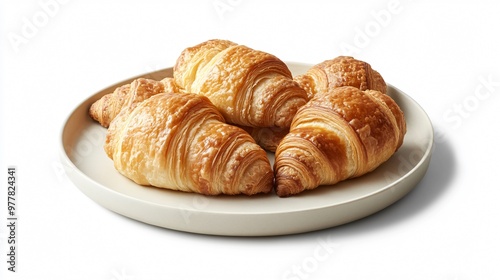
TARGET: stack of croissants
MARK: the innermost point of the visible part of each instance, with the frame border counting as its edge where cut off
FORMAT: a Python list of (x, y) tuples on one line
[(209, 128)]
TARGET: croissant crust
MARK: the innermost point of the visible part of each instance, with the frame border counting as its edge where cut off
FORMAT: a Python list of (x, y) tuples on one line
[(339, 134), (249, 87), (180, 141)]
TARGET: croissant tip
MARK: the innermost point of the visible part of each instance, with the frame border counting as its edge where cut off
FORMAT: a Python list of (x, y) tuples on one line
[(94, 110), (263, 186), (286, 187), (281, 193)]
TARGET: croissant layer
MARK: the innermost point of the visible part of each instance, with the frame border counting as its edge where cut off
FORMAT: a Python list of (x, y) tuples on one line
[(249, 87), (339, 134), (180, 141)]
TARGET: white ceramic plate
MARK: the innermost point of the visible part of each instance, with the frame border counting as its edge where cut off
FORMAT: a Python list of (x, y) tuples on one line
[(327, 206)]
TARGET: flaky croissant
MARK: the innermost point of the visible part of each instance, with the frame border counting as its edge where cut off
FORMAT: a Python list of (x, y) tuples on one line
[(339, 134), (249, 87), (109, 106), (179, 141), (338, 72)]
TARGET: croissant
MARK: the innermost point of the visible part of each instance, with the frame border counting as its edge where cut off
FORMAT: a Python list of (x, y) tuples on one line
[(249, 87), (339, 134), (109, 106), (340, 71), (179, 141)]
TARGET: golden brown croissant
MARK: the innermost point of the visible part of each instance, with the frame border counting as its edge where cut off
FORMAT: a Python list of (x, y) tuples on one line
[(341, 71), (249, 87), (107, 107), (339, 134), (179, 141)]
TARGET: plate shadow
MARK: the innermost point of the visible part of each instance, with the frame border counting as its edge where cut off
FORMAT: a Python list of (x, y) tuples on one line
[(436, 182)]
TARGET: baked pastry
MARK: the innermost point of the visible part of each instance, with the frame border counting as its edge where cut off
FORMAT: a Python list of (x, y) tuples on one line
[(179, 141), (338, 72), (249, 87), (109, 106), (339, 134)]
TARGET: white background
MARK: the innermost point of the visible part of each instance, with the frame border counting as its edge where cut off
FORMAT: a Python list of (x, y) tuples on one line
[(443, 54)]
